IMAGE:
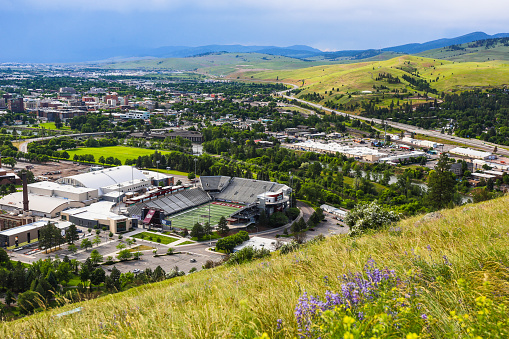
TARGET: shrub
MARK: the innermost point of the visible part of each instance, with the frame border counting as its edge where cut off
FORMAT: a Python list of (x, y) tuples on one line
[(369, 217), (292, 213), (289, 247), (247, 254)]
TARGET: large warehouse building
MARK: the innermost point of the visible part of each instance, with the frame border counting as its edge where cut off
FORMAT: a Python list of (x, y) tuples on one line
[(471, 153), (40, 205)]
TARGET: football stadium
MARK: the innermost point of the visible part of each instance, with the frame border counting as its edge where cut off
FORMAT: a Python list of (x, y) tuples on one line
[(239, 200)]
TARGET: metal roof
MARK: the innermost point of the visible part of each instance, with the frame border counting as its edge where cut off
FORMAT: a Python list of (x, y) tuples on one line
[(108, 177), (37, 203)]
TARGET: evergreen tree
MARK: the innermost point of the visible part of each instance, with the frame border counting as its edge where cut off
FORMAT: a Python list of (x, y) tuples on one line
[(197, 231), (98, 276), (9, 298), (222, 226), (71, 235), (207, 229), (441, 184)]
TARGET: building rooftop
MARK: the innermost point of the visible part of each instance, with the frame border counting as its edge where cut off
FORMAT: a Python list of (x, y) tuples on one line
[(257, 243), (470, 152), (60, 187), (34, 225), (104, 178), (98, 210), (38, 203)]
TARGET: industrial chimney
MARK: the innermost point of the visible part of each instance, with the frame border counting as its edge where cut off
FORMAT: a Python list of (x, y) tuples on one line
[(25, 192)]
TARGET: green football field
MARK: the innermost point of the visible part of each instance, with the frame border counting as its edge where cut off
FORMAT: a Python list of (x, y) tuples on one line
[(200, 214)]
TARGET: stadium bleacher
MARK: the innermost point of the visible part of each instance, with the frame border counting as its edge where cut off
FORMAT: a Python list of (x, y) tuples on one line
[(247, 190), (214, 183), (174, 203)]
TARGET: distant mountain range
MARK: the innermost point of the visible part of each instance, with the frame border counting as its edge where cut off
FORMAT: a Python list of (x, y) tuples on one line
[(305, 52), (418, 48), (297, 51)]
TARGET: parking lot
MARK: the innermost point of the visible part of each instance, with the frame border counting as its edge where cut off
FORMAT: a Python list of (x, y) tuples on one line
[(190, 256)]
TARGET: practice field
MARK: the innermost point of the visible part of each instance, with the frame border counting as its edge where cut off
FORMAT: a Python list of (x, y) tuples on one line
[(187, 219), (120, 152)]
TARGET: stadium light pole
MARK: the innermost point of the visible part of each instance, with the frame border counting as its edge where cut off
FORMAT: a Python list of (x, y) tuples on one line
[(195, 161), (157, 164)]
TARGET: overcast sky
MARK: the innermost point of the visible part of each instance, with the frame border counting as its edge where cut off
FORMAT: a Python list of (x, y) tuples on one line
[(39, 29)]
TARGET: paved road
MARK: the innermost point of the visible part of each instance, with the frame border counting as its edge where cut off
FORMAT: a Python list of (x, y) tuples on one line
[(486, 146), (306, 213)]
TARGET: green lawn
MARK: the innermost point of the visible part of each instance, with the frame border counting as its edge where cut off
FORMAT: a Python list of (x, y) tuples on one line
[(120, 152), (185, 243), (170, 172), (51, 125), (146, 235), (200, 214)]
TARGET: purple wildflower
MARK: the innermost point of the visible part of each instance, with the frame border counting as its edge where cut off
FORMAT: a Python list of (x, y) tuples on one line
[(355, 289), (424, 316)]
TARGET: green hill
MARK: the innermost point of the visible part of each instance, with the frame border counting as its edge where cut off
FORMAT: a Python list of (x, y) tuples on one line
[(477, 51), (447, 276), (219, 63), (345, 83), (235, 64)]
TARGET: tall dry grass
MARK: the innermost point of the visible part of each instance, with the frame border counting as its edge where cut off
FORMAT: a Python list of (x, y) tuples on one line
[(248, 300)]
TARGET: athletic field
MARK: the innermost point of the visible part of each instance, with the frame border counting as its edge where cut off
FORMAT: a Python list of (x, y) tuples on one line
[(200, 214)]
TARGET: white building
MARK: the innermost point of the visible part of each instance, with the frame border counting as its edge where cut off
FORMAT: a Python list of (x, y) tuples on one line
[(52, 189), (471, 153), (136, 115), (257, 243), (106, 178), (399, 157), (39, 205), (333, 210), (99, 214), (361, 152)]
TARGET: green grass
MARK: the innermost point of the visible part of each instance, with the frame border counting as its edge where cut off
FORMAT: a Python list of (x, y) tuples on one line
[(75, 280), (164, 239), (22, 244), (220, 64), (361, 76), (188, 218), (185, 243), (247, 300), (170, 172), (469, 54), (120, 152), (141, 248), (208, 237), (51, 125)]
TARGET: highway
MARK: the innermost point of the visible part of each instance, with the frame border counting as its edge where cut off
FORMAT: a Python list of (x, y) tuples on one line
[(483, 145)]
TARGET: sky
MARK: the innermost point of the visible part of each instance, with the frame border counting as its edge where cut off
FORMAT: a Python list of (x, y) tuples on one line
[(75, 30)]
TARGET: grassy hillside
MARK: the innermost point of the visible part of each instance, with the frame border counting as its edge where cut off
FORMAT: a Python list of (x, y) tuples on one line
[(220, 64), (336, 82), (477, 51), (235, 64), (450, 279)]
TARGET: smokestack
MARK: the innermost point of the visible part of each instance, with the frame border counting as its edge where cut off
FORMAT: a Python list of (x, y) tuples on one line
[(25, 192)]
